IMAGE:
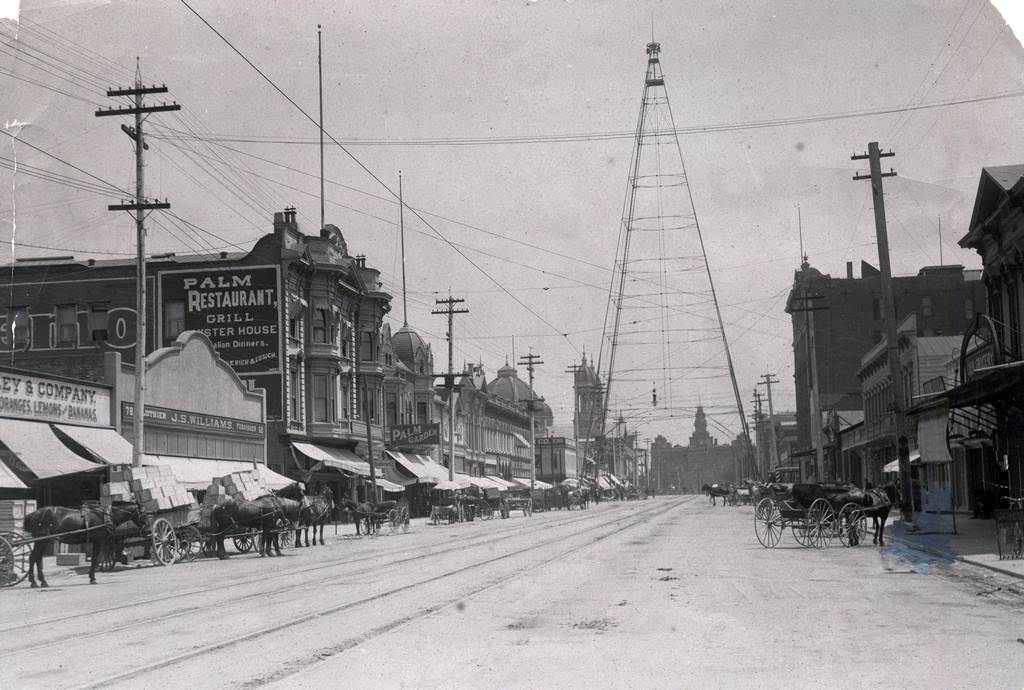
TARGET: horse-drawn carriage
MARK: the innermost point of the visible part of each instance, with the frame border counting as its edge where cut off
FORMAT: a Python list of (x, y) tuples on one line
[(816, 514), (370, 518), (517, 499)]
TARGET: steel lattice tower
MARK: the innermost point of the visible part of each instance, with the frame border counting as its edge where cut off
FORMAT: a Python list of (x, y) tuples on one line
[(662, 285)]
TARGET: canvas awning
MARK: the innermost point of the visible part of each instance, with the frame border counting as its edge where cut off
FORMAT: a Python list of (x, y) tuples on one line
[(931, 437), (484, 483), (894, 466), (104, 444), (338, 458), (521, 440), (389, 486), (537, 484), (198, 473), (39, 451), (9, 480), (420, 468), (502, 484), (603, 483)]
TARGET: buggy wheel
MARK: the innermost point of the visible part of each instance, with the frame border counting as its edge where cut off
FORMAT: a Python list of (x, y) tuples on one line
[(802, 532), (286, 538), (164, 542), (190, 543), (767, 523), (244, 543), (822, 523), (14, 555), (853, 527)]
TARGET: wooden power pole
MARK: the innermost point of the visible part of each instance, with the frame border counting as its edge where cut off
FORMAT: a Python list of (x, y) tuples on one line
[(450, 310), (140, 205), (531, 360), (892, 344)]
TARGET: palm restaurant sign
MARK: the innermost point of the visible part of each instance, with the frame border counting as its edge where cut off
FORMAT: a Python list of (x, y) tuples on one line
[(43, 399)]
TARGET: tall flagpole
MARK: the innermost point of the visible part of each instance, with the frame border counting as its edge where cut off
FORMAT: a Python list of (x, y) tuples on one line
[(320, 70)]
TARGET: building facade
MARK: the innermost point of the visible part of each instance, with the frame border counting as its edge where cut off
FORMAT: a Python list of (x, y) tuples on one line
[(847, 321), (703, 461)]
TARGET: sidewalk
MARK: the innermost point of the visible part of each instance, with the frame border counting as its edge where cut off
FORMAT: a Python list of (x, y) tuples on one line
[(974, 542)]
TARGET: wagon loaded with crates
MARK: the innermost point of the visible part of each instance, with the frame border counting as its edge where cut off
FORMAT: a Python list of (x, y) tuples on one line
[(171, 533), (816, 514)]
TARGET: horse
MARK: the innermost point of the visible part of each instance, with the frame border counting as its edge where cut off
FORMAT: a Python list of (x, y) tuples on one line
[(876, 504), (265, 513), (366, 513), (92, 522), (712, 491), (315, 512)]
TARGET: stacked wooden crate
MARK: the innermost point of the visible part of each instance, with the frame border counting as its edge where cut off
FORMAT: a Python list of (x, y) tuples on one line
[(243, 486), (155, 488), (13, 512)]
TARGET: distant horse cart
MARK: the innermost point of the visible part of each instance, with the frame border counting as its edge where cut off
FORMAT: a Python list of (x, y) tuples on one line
[(817, 514)]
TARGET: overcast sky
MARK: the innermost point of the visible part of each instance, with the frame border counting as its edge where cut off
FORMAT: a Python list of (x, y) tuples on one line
[(539, 218)]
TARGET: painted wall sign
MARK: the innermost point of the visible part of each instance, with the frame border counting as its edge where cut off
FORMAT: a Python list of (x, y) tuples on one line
[(415, 435), (53, 400), (237, 308), (164, 416)]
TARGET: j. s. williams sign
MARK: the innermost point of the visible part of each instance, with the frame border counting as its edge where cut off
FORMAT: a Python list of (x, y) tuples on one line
[(235, 307), (415, 435), (52, 400), (193, 421)]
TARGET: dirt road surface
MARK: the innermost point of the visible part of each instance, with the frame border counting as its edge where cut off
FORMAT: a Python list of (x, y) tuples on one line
[(663, 593)]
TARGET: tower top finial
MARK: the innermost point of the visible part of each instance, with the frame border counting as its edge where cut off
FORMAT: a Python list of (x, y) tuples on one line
[(653, 48)]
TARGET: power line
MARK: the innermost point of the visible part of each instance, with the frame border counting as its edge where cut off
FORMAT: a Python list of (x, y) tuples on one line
[(603, 136)]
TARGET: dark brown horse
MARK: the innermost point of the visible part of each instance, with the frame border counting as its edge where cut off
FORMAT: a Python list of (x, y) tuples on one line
[(366, 515), (876, 504), (92, 523), (316, 511), (715, 491), (267, 513)]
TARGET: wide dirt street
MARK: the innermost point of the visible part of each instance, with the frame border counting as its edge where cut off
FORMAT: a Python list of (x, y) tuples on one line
[(666, 593)]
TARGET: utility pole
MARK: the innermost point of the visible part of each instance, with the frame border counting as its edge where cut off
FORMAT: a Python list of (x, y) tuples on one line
[(574, 369), (140, 205), (759, 430), (449, 309), (531, 360), (812, 374), (773, 451), (874, 157)]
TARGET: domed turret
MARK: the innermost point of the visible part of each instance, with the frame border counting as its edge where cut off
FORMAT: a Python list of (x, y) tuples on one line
[(509, 386), (412, 350)]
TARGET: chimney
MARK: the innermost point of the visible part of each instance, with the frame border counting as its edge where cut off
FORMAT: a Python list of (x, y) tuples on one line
[(849, 270), (361, 261), (285, 220)]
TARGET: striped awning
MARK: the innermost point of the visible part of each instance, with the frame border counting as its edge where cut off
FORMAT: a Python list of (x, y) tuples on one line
[(338, 458)]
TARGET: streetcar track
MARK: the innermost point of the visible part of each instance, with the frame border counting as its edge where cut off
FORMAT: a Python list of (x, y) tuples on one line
[(306, 585), (455, 542), (632, 520)]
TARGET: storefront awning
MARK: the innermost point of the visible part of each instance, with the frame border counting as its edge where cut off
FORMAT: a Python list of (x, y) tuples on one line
[(419, 467), (8, 480), (603, 483), (894, 466), (502, 484), (338, 458), (105, 445), (389, 487), (989, 384), (521, 440), (484, 483), (537, 484), (198, 473), (40, 451)]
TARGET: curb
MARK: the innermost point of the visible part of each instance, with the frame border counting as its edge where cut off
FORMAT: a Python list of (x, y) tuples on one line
[(939, 553)]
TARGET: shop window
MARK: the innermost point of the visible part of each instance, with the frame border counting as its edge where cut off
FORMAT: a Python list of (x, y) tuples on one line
[(324, 404), (98, 321), (320, 321), (67, 324), (293, 394), (174, 318)]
